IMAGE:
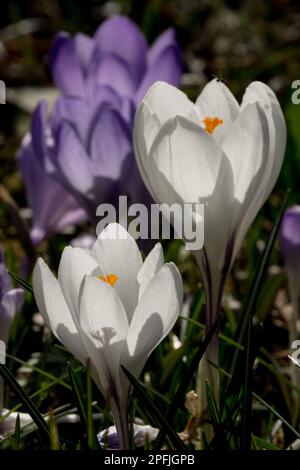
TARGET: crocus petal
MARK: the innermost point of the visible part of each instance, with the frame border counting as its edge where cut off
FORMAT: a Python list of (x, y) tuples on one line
[(54, 309), (247, 136), (289, 237), (104, 322), (66, 70), (39, 130), (164, 40), (161, 103), (120, 36), (260, 92), (115, 72), (73, 160), (110, 143), (74, 265), (166, 67), (179, 146), (76, 112), (157, 311), (117, 253), (12, 301), (151, 266), (84, 48), (216, 100), (9, 424), (53, 207)]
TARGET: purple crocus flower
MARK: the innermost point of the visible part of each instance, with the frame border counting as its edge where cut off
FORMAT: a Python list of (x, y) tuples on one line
[(53, 207), (117, 57), (289, 239), (143, 434), (85, 145)]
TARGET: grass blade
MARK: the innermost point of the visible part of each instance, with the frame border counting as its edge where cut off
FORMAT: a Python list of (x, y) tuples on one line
[(154, 412), (21, 281), (180, 394), (78, 395)]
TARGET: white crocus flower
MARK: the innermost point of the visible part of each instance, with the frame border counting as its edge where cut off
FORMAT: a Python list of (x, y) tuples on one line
[(112, 308), (216, 152)]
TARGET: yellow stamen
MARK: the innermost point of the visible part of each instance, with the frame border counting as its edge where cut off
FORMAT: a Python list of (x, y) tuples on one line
[(211, 123), (110, 279)]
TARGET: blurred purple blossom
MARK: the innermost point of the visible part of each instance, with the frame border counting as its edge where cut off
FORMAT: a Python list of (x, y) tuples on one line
[(52, 206), (11, 300), (85, 146), (117, 57), (143, 434), (289, 239)]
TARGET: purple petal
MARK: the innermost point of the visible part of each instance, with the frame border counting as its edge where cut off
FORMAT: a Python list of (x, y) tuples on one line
[(84, 49), (53, 208), (12, 301), (76, 111), (289, 238), (120, 36), (65, 66), (113, 71), (110, 144), (167, 67), (39, 130), (164, 40)]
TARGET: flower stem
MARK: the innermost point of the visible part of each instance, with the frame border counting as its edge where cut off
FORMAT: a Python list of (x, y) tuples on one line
[(120, 414)]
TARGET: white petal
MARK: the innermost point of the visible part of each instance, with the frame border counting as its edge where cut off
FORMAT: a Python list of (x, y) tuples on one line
[(216, 100), (161, 103), (104, 324), (154, 317), (151, 266), (75, 263), (260, 92), (54, 309), (188, 166), (166, 101), (117, 253), (246, 145)]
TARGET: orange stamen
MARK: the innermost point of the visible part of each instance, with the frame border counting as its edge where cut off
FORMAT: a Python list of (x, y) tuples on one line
[(110, 279), (211, 123)]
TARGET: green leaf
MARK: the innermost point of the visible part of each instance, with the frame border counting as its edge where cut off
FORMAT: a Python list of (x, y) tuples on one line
[(17, 431), (251, 299), (90, 429), (26, 402), (269, 407), (154, 412), (180, 394), (78, 396), (260, 444), (21, 281)]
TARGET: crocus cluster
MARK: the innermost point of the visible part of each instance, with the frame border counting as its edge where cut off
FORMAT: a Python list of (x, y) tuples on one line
[(81, 155), (112, 308), (217, 152)]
